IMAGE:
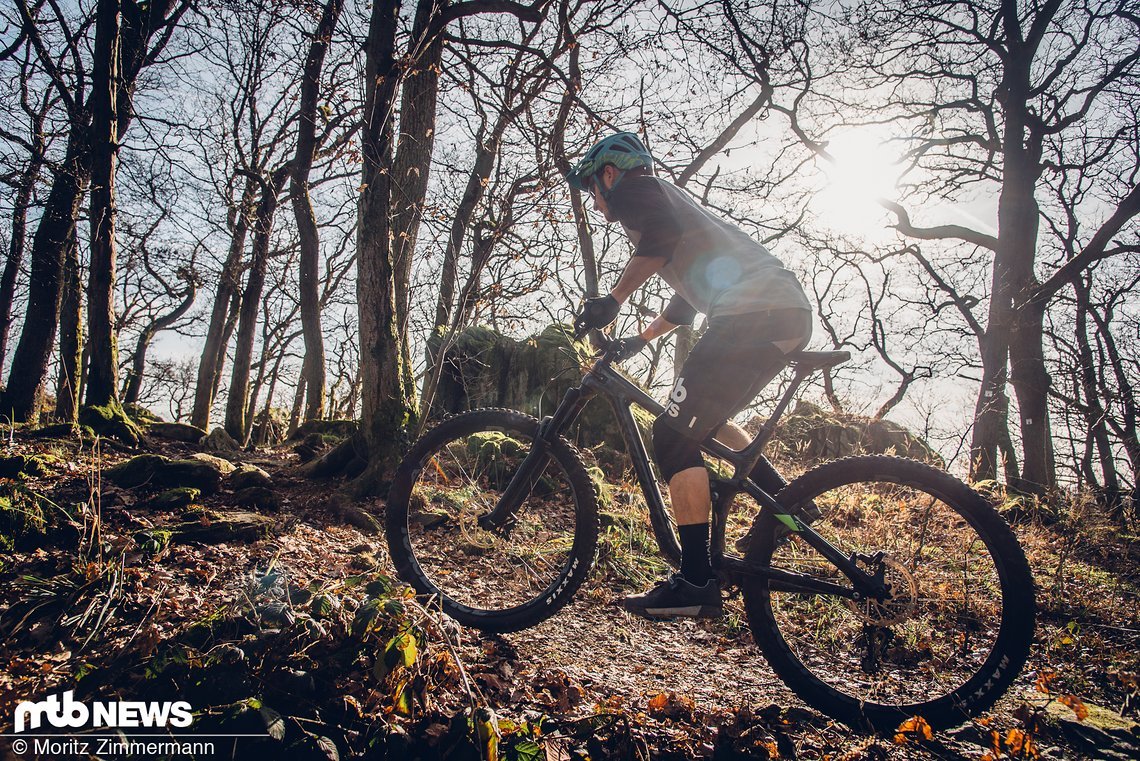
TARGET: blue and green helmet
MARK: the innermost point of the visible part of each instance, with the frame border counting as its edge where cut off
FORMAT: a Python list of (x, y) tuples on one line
[(624, 150)]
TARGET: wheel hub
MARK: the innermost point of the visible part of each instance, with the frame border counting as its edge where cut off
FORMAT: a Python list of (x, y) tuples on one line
[(900, 601)]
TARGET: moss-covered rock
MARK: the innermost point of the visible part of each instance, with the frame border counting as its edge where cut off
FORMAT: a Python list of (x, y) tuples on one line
[(153, 541), (112, 421), (233, 526), (174, 499), (218, 440), (22, 517), (177, 432), (329, 430), (486, 369), (220, 464), (135, 472), (141, 414), (810, 433), (247, 476), (197, 474), (23, 466), (258, 497)]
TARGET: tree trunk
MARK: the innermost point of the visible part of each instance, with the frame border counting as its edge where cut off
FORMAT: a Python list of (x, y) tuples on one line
[(24, 391), (1031, 382), (226, 304), (313, 367), (388, 408), (102, 385), (1095, 414), (236, 422), (412, 164), (67, 389), (24, 187)]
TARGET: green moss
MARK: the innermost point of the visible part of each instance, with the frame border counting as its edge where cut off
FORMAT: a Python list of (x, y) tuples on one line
[(110, 420), (173, 499), (22, 516), (23, 466), (141, 415)]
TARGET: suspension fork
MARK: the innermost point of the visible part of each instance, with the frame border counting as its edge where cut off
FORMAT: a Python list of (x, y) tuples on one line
[(502, 516)]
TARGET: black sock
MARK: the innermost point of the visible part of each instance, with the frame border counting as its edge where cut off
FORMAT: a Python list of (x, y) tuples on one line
[(695, 565)]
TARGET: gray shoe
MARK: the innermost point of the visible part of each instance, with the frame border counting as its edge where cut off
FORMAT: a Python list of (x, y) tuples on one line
[(677, 597), (809, 515)]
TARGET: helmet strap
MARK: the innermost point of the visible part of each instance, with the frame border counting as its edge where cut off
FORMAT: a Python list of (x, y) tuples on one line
[(606, 193)]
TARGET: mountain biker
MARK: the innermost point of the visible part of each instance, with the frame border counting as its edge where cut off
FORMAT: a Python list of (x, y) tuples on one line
[(756, 313)]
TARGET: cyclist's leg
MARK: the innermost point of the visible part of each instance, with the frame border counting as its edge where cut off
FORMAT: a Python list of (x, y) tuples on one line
[(734, 358)]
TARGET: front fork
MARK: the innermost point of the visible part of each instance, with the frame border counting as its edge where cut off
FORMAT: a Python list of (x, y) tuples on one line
[(501, 518)]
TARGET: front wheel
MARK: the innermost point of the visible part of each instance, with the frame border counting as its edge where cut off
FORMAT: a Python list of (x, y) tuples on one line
[(956, 624), (497, 580)]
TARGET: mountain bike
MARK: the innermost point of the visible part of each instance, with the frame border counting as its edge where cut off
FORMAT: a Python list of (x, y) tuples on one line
[(909, 596)]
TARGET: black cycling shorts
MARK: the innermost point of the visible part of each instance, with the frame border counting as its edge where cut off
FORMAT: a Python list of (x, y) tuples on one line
[(734, 359)]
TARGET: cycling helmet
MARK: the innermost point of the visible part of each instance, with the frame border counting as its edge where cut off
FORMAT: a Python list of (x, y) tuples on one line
[(624, 150)]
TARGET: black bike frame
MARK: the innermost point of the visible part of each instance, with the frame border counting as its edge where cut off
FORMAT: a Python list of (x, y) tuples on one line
[(602, 379)]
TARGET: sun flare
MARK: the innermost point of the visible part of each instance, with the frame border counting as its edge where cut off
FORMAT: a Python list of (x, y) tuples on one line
[(862, 172)]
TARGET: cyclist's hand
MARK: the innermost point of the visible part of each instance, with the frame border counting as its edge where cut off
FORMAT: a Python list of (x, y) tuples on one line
[(596, 313), (626, 348)]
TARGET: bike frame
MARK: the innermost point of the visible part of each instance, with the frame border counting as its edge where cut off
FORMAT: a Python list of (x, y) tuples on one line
[(603, 379)]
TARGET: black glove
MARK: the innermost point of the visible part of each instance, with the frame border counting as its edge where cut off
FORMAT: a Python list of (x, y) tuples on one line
[(596, 313), (625, 348)]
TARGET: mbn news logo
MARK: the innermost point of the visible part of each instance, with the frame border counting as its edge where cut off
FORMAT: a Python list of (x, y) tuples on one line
[(66, 712)]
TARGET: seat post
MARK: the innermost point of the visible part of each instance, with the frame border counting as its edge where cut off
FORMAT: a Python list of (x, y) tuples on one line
[(753, 451)]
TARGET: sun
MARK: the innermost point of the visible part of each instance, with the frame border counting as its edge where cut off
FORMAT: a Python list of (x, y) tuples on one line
[(863, 171)]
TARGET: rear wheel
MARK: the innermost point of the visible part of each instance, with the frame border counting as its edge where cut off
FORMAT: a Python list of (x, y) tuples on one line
[(955, 627), (492, 580)]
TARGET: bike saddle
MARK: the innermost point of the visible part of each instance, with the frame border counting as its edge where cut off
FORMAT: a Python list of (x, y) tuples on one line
[(818, 360)]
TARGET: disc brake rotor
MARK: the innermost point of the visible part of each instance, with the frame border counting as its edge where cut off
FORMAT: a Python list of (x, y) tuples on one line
[(901, 600)]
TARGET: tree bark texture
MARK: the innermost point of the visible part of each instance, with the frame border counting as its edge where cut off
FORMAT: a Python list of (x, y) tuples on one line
[(24, 391), (387, 405), (414, 145), (68, 385), (313, 367), (102, 386)]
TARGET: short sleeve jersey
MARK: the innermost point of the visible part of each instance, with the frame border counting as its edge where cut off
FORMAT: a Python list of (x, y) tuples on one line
[(712, 265)]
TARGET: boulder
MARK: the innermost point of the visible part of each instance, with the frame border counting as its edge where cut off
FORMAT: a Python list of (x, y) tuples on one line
[(233, 526), (258, 497), (174, 499), (135, 472), (220, 441), (486, 369), (330, 430), (203, 476), (222, 465), (811, 434), (247, 476), (21, 466), (177, 432), (141, 414)]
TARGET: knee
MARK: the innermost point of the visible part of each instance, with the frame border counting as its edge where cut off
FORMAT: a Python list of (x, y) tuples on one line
[(673, 451)]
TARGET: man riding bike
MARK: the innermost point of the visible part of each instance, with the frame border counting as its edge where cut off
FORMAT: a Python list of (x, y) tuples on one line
[(756, 312)]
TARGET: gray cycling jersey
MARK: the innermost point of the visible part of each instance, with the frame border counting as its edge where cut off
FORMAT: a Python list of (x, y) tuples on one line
[(713, 265)]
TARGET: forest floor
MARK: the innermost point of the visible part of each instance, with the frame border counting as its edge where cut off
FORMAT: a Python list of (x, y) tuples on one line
[(296, 630)]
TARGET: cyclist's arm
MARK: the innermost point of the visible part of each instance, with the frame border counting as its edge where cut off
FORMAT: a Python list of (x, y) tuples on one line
[(637, 271), (659, 327)]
